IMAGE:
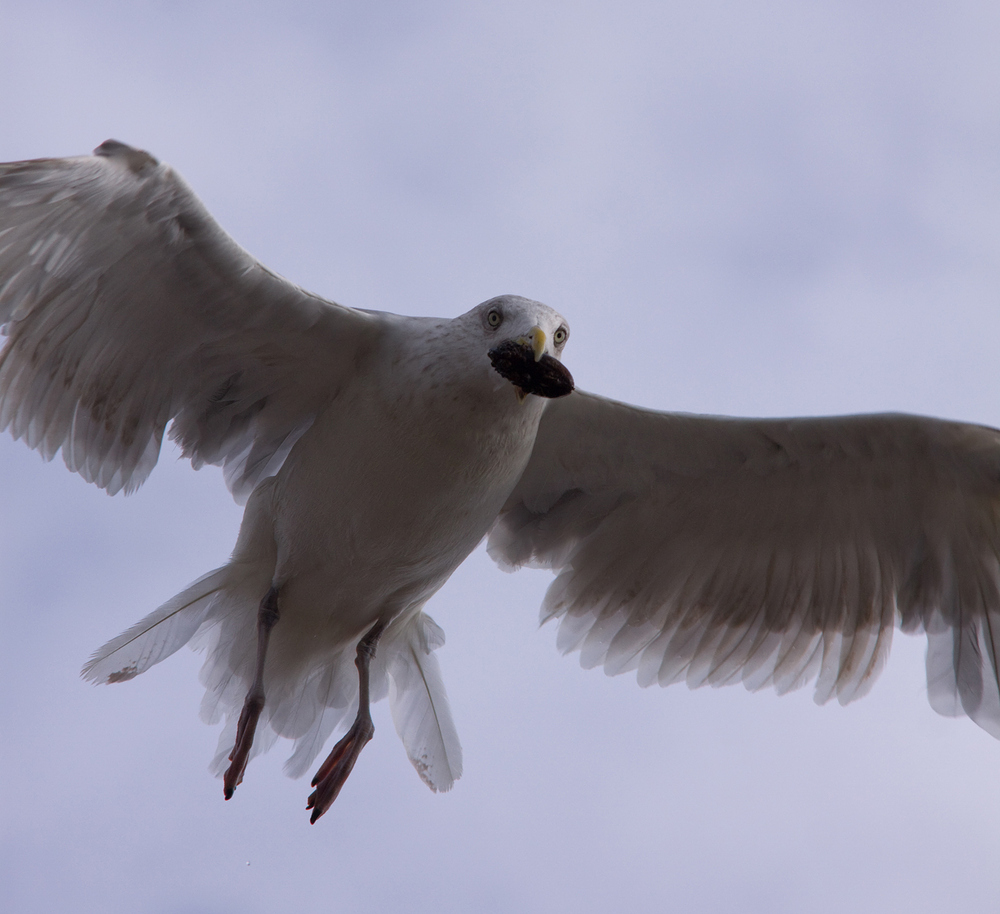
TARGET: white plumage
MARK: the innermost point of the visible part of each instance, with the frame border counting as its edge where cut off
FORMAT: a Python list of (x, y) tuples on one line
[(374, 452)]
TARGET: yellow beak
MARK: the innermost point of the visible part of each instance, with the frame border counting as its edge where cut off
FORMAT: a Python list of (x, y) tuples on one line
[(537, 339)]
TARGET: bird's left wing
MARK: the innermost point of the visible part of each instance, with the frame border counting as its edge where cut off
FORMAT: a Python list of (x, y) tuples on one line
[(126, 305), (770, 552)]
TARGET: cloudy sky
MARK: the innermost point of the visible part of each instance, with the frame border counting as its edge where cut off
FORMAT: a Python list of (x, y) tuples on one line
[(751, 208)]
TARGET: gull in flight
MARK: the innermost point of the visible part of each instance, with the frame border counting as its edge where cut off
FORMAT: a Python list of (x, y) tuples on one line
[(373, 453)]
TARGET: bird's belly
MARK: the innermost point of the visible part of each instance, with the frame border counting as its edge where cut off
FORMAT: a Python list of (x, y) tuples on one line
[(369, 521)]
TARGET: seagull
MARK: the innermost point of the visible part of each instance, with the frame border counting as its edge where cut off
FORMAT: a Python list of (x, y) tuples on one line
[(374, 452)]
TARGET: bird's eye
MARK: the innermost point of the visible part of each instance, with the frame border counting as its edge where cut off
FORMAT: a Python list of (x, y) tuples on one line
[(494, 318), (559, 337)]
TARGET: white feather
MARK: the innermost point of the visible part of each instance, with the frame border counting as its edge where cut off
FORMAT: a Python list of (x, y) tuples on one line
[(158, 635), (419, 704)]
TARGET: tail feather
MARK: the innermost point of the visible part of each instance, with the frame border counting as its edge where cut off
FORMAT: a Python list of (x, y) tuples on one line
[(158, 635), (419, 705), (310, 745), (309, 695)]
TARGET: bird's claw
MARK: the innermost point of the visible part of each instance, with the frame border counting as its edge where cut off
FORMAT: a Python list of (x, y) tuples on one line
[(333, 773), (241, 749)]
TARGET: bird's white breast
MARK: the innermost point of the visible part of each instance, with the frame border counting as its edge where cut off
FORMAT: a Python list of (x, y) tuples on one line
[(392, 487)]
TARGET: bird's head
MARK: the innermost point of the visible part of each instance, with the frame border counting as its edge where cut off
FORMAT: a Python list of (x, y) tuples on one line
[(525, 342)]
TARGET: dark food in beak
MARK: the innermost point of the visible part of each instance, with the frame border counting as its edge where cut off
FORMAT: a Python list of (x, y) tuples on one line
[(547, 377)]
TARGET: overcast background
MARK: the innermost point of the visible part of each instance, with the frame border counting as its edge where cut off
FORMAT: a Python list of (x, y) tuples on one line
[(749, 208)]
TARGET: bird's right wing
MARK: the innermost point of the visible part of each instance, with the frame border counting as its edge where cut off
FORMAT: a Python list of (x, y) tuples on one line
[(771, 552), (126, 305)]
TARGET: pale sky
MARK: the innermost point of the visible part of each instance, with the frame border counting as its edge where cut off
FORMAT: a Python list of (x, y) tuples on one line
[(745, 208)]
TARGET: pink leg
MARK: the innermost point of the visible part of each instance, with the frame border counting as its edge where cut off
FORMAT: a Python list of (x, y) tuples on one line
[(340, 762), (267, 616)]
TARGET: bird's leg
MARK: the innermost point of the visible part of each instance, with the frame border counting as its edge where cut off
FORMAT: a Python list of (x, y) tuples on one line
[(267, 616), (340, 762)]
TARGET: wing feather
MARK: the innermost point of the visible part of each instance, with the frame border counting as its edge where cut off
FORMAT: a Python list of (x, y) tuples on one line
[(125, 306), (768, 552)]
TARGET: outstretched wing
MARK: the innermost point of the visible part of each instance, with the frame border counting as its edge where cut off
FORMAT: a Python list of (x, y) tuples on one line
[(767, 551), (126, 305)]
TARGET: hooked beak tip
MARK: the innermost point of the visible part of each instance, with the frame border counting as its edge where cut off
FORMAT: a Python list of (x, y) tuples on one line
[(537, 340)]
